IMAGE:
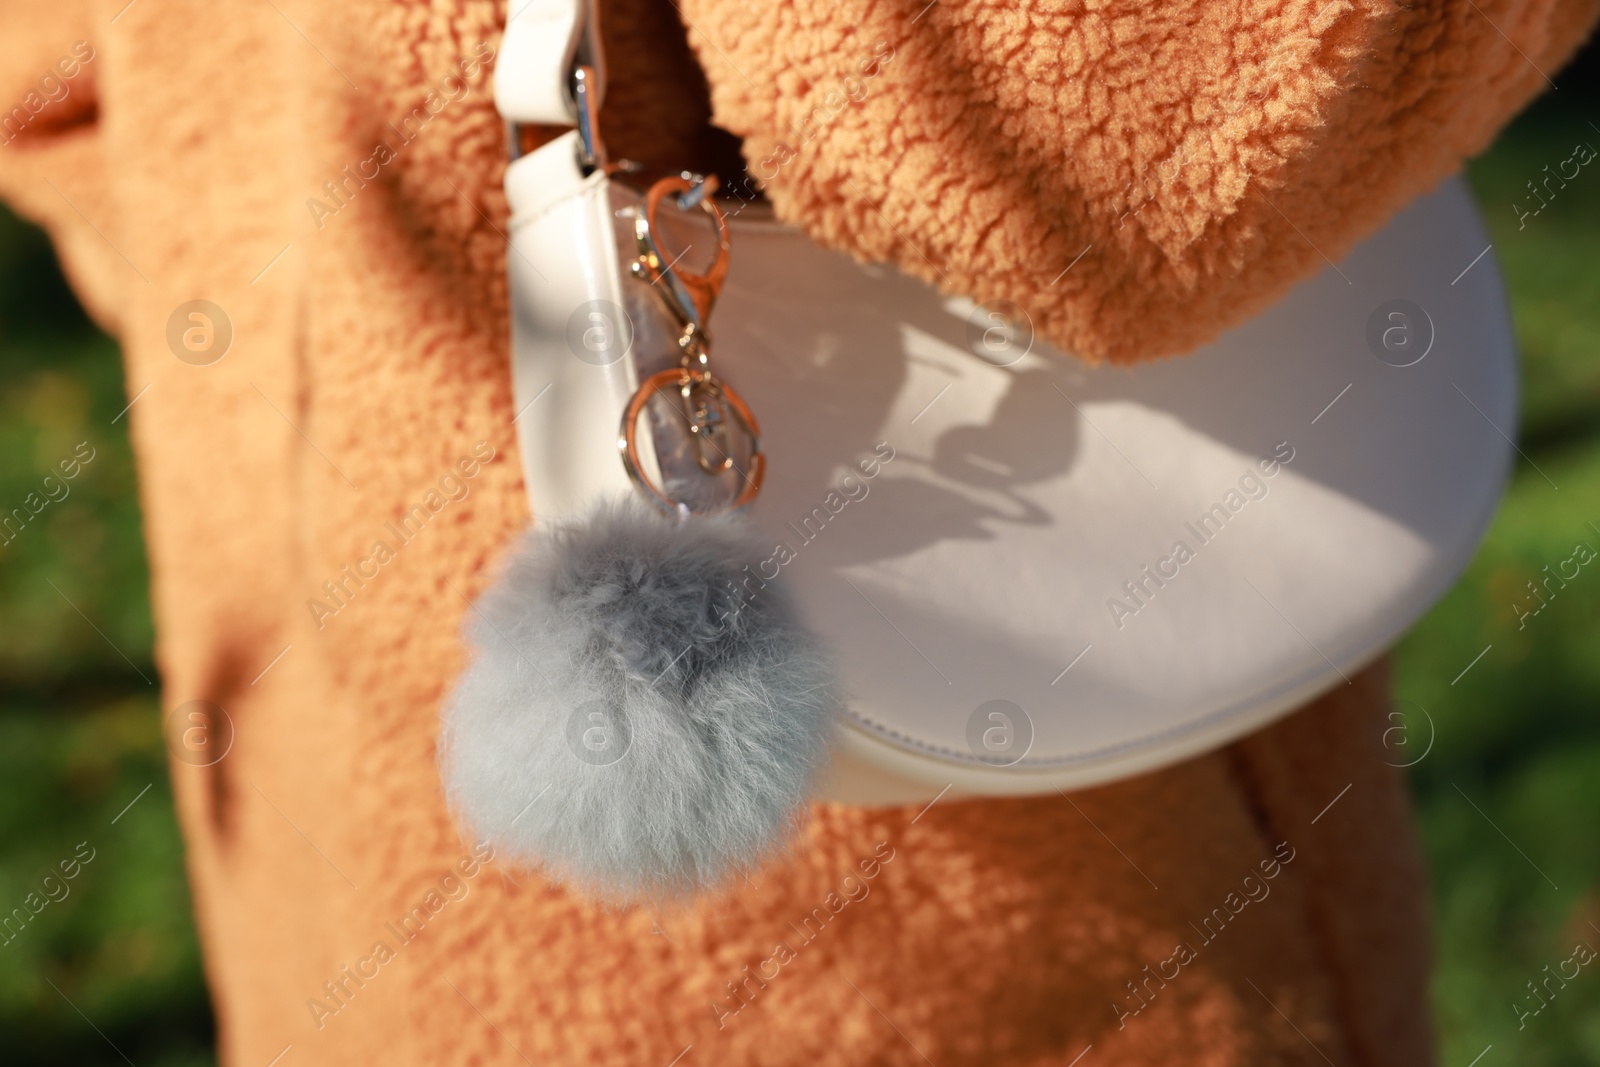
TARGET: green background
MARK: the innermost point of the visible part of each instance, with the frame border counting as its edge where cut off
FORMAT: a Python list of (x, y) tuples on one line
[(1518, 736)]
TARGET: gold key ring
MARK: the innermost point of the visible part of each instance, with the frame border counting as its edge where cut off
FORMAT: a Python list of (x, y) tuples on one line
[(685, 380)]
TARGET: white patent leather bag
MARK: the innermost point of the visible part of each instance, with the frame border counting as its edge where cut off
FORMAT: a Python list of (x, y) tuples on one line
[(1037, 574)]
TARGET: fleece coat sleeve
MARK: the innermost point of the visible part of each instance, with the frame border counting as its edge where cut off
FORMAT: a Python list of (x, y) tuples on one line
[(1139, 176)]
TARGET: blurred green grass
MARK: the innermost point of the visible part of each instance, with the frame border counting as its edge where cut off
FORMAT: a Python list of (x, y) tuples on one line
[(80, 726), (1518, 735), (1517, 884)]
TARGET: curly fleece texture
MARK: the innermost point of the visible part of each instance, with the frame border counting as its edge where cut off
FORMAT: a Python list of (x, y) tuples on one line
[(373, 349), (1139, 176)]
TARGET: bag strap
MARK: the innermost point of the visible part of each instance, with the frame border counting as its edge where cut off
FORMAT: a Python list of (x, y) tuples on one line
[(550, 60)]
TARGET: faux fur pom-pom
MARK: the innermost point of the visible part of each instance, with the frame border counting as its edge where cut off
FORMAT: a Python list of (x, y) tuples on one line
[(641, 718)]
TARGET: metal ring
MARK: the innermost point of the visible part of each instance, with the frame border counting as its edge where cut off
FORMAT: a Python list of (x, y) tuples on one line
[(628, 441)]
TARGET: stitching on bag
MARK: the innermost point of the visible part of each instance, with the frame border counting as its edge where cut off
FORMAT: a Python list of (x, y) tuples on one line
[(968, 758), (1041, 763), (522, 220)]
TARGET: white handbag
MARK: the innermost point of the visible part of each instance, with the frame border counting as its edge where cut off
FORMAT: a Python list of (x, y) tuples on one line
[(1034, 574)]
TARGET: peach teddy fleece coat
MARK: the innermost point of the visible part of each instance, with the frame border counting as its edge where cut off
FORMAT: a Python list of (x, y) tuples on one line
[(1217, 912)]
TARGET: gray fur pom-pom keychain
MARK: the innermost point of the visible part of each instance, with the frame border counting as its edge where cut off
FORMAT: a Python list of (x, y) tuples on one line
[(635, 721), (643, 716)]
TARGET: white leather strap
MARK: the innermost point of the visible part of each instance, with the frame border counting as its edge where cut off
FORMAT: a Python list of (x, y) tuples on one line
[(530, 77), (564, 274), (568, 340)]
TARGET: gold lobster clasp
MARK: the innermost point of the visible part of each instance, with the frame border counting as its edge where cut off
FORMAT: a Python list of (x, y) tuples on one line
[(689, 296), (708, 406)]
